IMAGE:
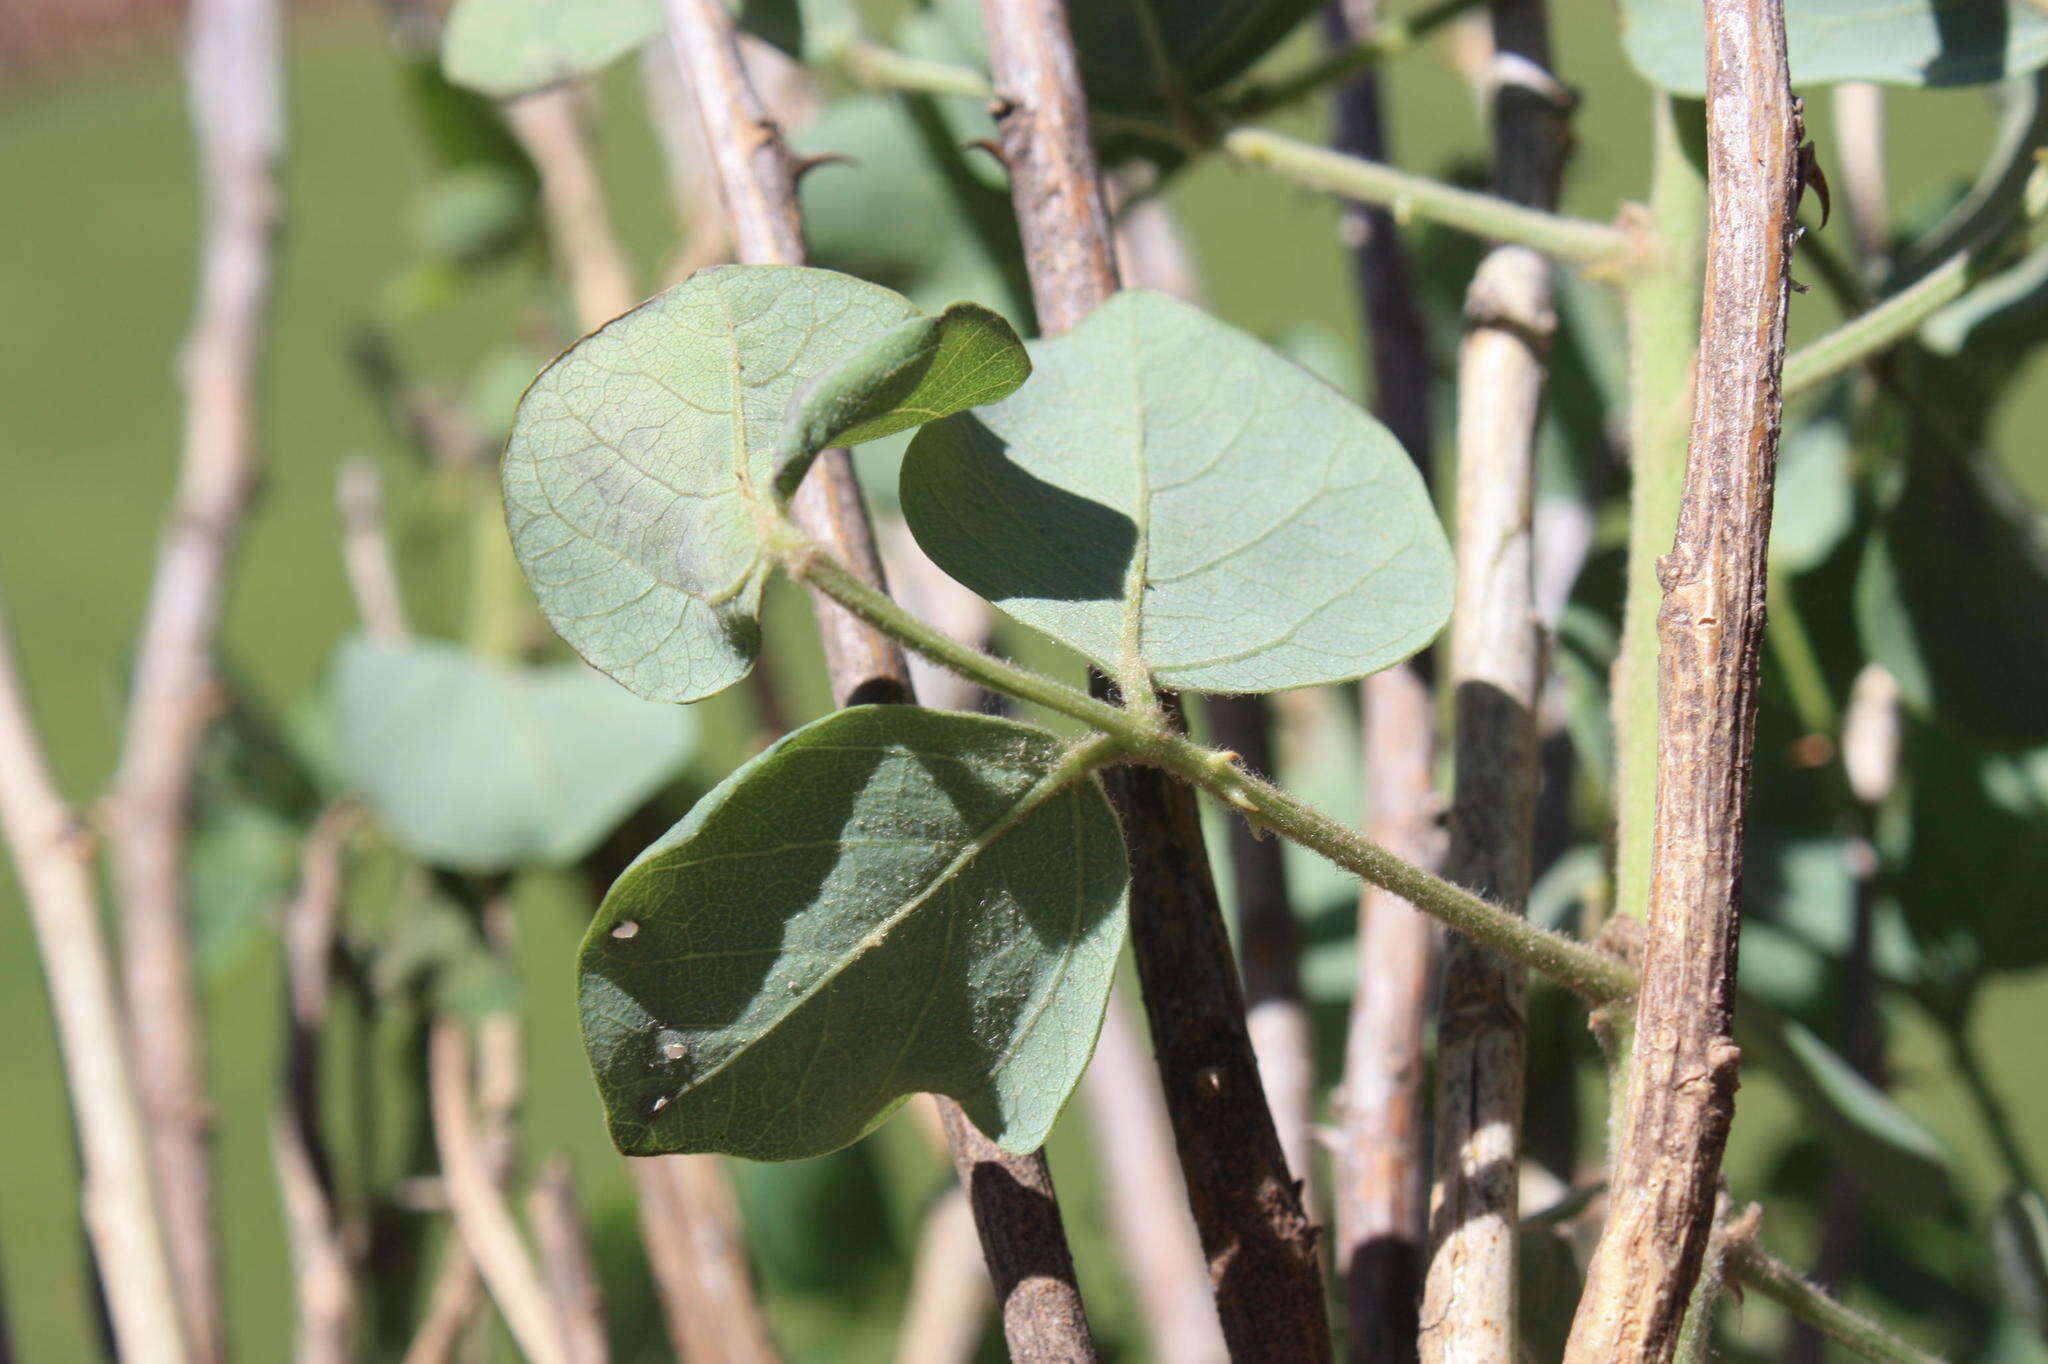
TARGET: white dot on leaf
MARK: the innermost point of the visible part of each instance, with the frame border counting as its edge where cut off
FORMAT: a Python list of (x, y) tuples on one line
[(625, 928)]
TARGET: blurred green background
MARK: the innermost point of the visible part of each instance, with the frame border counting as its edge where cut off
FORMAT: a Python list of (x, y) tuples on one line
[(97, 238)]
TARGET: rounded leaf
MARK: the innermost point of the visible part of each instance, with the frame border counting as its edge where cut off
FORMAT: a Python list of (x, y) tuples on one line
[(483, 766), (888, 901), (1169, 494)]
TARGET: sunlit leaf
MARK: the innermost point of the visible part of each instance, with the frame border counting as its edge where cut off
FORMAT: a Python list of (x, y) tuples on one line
[(890, 900), (638, 475), (1903, 42), (1169, 495), (484, 766)]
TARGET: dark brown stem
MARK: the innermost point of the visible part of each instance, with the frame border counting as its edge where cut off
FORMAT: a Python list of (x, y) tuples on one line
[(1260, 1242), (235, 79), (1470, 1293), (1014, 1206), (1681, 1092), (1380, 1160)]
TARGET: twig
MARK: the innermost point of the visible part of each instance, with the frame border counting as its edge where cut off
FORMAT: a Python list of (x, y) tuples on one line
[(366, 550), (691, 1225), (477, 1204), (700, 217), (549, 125), (1259, 1240), (1133, 1140), (1015, 1208), (1755, 1267), (1682, 1066), (1859, 148), (452, 1305), (323, 1262), (562, 1242), (1152, 253), (950, 1297), (1883, 327), (1379, 1157), (1471, 1288), (53, 859), (235, 85), (1349, 60)]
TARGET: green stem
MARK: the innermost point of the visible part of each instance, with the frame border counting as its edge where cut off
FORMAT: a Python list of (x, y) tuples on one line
[(1663, 302), (1773, 1278), (1882, 327), (1797, 661), (1577, 240), (1145, 738), (1389, 38)]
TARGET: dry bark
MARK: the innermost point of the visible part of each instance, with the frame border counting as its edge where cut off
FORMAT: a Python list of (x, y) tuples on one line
[(53, 860), (1015, 1209), (1260, 1243), (235, 81), (1379, 1160), (1681, 1090), (323, 1258), (1471, 1293)]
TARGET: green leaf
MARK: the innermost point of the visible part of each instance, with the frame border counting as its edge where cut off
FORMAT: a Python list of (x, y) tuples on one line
[(1866, 1126), (1965, 633), (1816, 497), (483, 766), (916, 372), (890, 900), (504, 48), (1170, 496), (637, 472), (1903, 42)]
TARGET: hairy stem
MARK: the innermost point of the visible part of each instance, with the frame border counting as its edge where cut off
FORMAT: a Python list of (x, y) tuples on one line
[(1754, 1267)]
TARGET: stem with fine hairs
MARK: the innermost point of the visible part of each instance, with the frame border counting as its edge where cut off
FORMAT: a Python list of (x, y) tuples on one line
[(1471, 1290), (323, 1258), (1259, 1240), (53, 860), (1016, 1211), (236, 90), (1379, 1158), (1681, 1075)]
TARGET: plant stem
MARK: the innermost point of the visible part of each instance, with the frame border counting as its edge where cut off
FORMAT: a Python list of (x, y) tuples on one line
[(1016, 1212), (1471, 1291), (1663, 303), (1386, 38), (1754, 1267), (1576, 240), (235, 79), (1259, 1240), (53, 860), (1590, 973), (1681, 1087), (1884, 326), (1380, 1203)]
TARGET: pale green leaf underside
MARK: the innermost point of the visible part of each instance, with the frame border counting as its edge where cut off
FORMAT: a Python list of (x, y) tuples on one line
[(504, 48), (916, 372), (1902, 42), (637, 459), (483, 766), (888, 901), (1169, 494)]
